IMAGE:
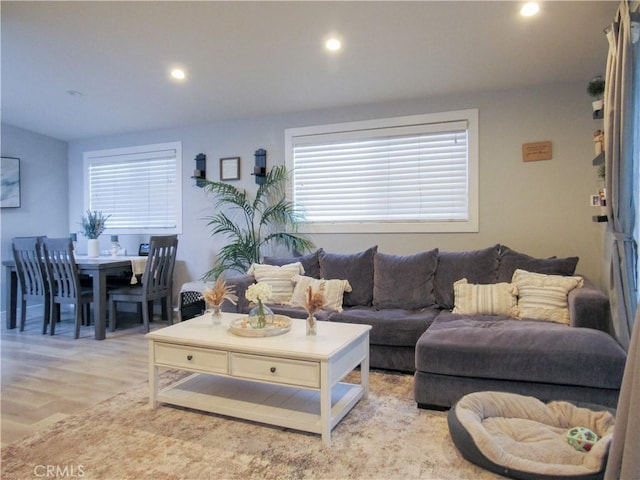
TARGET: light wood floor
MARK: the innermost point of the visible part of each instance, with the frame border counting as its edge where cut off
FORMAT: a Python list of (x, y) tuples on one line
[(46, 378)]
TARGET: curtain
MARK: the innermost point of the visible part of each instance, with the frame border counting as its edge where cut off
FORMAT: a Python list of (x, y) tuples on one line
[(624, 460), (620, 122)]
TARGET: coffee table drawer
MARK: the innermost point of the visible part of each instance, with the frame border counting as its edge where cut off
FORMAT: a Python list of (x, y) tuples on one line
[(280, 370), (182, 356)]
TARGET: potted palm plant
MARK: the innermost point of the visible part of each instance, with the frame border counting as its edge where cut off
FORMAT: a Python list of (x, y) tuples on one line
[(93, 224), (251, 224)]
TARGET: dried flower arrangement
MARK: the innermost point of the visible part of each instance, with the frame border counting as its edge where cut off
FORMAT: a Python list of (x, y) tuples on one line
[(312, 303), (219, 293), (314, 300)]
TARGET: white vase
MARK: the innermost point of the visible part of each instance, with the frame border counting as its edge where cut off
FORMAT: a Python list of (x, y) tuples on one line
[(93, 247)]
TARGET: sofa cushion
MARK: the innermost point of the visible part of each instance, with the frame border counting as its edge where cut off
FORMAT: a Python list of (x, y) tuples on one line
[(404, 281), (492, 299), (279, 278), (494, 347), (357, 268), (393, 326), (544, 297), (333, 291), (477, 266), (509, 261), (310, 262)]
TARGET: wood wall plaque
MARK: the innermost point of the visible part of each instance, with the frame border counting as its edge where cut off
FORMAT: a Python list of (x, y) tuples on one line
[(533, 152)]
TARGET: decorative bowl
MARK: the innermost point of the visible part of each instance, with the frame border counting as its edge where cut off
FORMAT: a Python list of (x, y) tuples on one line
[(242, 327)]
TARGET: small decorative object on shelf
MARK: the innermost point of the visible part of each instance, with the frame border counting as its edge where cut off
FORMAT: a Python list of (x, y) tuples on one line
[(261, 314), (115, 246), (217, 294), (598, 141), (595, 89), (74, 239), (313, 302)]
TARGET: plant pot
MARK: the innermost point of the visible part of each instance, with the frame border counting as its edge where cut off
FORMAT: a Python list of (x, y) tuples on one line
[(93, 248)]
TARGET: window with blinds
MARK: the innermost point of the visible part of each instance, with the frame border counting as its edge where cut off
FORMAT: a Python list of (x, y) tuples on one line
[(416, 173), (139, 187)]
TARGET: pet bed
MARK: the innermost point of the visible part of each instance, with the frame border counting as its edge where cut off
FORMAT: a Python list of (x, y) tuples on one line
[(523, 438)]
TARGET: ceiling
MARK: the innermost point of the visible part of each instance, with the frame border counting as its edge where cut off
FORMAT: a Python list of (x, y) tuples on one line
[(248, 59)]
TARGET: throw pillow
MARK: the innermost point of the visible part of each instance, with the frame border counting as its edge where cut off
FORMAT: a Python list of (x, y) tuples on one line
[(279, 278), (492, 299), (544, 297), (509, 261), (357, 268), (477, 266), (333, 291), (310, 262), (404, 281)]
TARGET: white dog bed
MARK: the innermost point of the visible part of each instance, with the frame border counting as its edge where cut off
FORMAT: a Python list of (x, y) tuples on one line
[(524, 438)]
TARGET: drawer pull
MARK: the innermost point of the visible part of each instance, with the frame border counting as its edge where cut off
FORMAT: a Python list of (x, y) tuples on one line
[(272, 369), (189, 357)]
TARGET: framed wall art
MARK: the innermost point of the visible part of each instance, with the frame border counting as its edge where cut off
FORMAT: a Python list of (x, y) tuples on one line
[(230, 168), (10, 182)]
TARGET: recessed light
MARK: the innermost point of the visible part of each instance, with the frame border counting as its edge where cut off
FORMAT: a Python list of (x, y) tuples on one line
[(178, 74), (333, 44), (529, 9)]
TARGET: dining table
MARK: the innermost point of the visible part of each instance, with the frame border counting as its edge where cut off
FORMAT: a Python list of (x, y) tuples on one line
[(98, 268)]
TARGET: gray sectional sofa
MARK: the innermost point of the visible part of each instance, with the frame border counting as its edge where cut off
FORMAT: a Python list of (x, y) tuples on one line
[(408, 301)]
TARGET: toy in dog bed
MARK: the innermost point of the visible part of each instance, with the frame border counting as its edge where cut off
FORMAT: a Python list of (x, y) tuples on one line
[(524, 438)]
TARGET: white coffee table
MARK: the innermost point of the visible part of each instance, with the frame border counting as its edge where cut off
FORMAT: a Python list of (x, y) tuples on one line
[(291, 380)]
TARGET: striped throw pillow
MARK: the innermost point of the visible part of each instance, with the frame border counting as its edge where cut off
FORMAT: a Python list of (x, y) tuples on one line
[(333, 291), (279, 278), (491, 299), (544, 297)]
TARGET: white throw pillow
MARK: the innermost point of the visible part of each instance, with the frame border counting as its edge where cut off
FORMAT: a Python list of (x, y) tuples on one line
[(279, 278), (544, 297), (333, 291), (491, 299)]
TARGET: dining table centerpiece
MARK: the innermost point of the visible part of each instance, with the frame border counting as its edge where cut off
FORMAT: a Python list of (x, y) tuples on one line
[(216, 295), (260, 315), (93, 224)]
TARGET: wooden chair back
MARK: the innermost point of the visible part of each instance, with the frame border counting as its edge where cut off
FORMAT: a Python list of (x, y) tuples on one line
[(61, 268), (27, 255), (157, 279)]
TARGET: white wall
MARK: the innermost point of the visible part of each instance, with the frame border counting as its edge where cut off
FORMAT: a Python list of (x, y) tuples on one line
[(539, 208), (43, 186)]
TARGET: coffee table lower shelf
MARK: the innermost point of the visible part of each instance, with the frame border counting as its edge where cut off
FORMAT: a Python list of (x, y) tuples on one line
[(279, 405)]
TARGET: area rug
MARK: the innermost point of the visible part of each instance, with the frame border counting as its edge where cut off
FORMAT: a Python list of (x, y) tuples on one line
[(384, 437)]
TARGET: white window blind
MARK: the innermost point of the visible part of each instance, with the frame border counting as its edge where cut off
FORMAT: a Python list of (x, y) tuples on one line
[(138, 186), (407, 177)]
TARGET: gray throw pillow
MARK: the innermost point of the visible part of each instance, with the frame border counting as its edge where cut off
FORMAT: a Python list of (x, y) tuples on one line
[(355, 267), (477, 266), (509, 261), (404, 281), (310, 263)]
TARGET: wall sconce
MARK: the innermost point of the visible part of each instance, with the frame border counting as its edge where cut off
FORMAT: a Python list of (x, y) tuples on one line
[(260, 169), (200, 173)]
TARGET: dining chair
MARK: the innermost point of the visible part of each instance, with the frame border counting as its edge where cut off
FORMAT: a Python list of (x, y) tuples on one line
[(30, 269), (157, 283), (64, 281)]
